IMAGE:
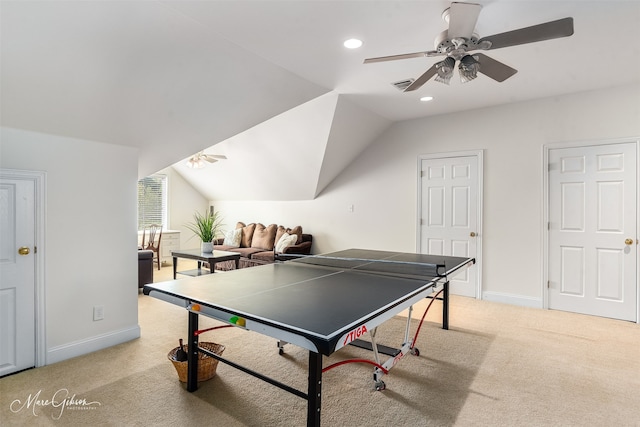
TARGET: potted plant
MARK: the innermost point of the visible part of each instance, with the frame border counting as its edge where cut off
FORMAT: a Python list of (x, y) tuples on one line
[(206, 227)]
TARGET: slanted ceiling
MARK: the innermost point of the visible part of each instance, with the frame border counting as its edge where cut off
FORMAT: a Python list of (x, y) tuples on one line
[(293, 156), (174, 77), (141, 74), (135, 73)]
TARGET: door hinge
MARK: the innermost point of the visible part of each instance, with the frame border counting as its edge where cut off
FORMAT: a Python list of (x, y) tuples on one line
[(548, 284)]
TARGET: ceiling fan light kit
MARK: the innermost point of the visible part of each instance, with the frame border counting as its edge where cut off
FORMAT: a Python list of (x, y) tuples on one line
[(469, 67), (197, 161), (444, 70), (459, 40)]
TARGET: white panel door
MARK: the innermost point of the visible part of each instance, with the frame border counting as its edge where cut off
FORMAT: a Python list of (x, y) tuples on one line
[(592, 230), (17, 275), (448, 214)]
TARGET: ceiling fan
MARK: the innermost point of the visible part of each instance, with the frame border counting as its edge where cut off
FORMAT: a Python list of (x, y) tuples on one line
[(459, 41), (197, 160)]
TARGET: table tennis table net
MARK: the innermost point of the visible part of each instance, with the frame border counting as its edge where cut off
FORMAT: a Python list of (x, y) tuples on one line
[(387, 267)]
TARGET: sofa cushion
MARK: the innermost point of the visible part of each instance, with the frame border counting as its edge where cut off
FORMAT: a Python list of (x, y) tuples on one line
[(265, 257), (247, 234), (279, 232), (233, 238), (264, 237), (295, 230), (246, 252), (285, 241)]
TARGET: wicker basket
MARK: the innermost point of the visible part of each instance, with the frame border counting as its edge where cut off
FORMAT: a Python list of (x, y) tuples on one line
[(206, 364)]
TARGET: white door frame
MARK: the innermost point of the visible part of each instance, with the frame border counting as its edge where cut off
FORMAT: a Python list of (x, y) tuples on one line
[(545, 207), (479, 154), (40, 185)]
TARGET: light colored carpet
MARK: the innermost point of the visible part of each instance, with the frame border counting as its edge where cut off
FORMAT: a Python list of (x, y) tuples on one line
[(498, 365)]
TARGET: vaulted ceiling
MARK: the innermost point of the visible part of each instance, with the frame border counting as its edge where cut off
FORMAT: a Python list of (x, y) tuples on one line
[(269, 84), (293, 156)]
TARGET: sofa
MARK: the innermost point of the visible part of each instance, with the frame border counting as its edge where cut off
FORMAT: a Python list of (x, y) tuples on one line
[(145, 267), (259, 244)]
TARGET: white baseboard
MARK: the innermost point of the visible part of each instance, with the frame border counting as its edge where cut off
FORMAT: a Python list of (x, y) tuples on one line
[(89, 345), (518, 300)]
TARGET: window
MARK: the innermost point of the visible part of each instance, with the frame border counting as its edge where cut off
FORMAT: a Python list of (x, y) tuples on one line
[(152, 201)]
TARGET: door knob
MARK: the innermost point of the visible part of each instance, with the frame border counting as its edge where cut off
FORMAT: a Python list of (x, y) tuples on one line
[(24, 250), (472, 234), (628, 242)]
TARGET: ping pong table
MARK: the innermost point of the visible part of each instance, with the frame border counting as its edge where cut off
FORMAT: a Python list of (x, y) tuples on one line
[(319, 302)]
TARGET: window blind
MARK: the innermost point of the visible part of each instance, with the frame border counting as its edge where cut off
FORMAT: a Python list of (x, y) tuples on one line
[(152, 201)]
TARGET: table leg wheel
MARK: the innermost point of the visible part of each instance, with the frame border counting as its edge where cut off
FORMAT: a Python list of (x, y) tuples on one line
[(415, 351), (280, 351), (380, 385)]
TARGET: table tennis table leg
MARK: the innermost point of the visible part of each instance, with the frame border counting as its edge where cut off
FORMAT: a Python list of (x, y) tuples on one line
[(192, 355), (445, 305), (314, 389)]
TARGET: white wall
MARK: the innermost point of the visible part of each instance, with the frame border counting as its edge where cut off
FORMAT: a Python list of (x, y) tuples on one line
[(183, 201), (90, 238), (382, 183)]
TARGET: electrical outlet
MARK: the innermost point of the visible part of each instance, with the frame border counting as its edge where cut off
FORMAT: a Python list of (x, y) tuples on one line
[(350, 208), (98, 312)]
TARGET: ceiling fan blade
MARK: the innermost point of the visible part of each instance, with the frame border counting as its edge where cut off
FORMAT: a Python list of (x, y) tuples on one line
[(209, 159), (396, 57), (462, 19), (217, 156), (536, 33), (422, 79), (494, 69)]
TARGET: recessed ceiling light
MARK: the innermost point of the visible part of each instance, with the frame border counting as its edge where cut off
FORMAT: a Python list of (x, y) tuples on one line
[(353, 43), (426, 98)]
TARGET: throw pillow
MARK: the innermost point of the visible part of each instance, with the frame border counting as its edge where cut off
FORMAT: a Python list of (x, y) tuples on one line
[(281, 230), (295, 230), (264, 237), (247, 235), (285, 241), (233, 238)]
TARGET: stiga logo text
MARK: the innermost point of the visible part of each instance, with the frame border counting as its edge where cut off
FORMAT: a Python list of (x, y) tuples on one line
[(355, 334)]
